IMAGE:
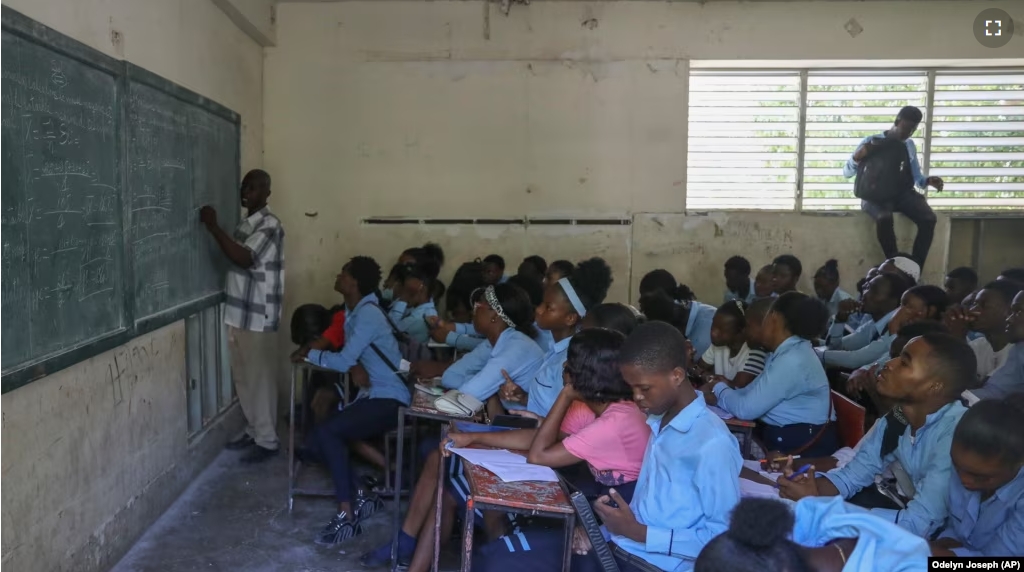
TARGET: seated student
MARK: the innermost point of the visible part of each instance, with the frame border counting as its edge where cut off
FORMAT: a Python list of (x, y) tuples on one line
[(594, 421), (738, 283), (791, 397), (764, 283), (370, 342), (754, 332), (420, 254), (786, 271), (960, 282), (503, 315), (1009, 378), (1013, 275), (731, 358), (556, 271), (422, 501), (852, 308), (494, 270), (534, 267), (863, 380), (313, 326), (904, 266), (923, 302), (688, 481), (611, 316), (456, 331), (563, 309), (819, 535), (871, 340), (925, 382), (987, 316), (691, 317), (826, 286), (986, 493), (412, 302)]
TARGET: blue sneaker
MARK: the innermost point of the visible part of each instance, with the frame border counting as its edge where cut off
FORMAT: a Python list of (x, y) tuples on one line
[(382, 555)]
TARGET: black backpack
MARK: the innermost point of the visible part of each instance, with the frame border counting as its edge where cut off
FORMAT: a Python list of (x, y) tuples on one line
[(884, 174)]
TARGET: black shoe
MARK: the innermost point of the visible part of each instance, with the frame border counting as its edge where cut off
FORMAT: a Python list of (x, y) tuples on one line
[(338, 530), (258, 455), (243, 442), (366, 505)]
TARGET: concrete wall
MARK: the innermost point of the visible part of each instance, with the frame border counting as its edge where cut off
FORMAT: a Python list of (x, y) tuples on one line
[(93, 454), (987, 245), (562, 109)]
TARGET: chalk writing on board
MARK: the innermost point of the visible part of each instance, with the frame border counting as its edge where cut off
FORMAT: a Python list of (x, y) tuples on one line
[(61, 251)]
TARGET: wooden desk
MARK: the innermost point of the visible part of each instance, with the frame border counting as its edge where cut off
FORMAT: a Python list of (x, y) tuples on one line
[(744, 428), (488, 492)]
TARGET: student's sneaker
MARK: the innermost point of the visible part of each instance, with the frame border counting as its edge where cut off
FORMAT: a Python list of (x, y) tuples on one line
[(338, 530), (366, 504)]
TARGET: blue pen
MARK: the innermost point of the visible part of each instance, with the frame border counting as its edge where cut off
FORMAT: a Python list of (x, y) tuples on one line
[(799, 472)]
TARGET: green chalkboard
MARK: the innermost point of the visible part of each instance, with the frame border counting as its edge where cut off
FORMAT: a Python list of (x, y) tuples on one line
[(62, 238), (182, 154), (105, 167)]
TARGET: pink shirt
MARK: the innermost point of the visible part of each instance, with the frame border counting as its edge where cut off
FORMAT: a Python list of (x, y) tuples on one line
[(613, 444)]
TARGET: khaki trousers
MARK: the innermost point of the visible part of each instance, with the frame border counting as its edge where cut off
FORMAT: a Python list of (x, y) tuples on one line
[(254, 372)]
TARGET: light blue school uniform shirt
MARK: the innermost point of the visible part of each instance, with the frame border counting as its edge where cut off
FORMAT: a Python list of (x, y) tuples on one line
[(698, 326), (850, 168), (466, 335), (366, 324), (730, 295), (547, 384), (463, 342), (925, 458), (792, 388), (870, 342), (478, 373), (881, 545), (833, 303), (1007, 379), (993, 527), (688, 485), (412, 321)]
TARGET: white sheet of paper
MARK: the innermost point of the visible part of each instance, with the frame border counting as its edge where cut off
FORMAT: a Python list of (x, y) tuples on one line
[(756, 467), (512, 472), (481, 456), (721, 413), (749, 488)]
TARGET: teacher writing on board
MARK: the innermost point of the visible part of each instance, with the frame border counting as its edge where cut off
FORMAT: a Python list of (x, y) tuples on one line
[(255, 290)]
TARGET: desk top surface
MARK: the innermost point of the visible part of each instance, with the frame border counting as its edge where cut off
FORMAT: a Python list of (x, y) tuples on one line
[(542, 497)]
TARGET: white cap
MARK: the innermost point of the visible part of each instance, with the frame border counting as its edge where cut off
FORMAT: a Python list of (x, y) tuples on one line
[(908, 267)]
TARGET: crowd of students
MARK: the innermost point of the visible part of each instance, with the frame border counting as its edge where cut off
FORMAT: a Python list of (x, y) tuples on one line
[(622, 401)]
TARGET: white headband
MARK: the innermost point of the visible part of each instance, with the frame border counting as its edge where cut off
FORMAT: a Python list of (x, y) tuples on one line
[(492, 301), (908, 266), (574, 299)]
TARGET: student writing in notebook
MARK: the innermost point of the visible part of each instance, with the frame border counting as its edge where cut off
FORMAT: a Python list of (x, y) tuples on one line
[(986, 489), (925, 384)]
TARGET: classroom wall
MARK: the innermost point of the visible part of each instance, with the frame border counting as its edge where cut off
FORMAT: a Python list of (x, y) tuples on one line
[(95, 453), (989, 245), (413, 109)]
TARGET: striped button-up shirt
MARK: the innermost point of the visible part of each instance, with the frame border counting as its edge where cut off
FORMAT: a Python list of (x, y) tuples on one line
[(254, 294)]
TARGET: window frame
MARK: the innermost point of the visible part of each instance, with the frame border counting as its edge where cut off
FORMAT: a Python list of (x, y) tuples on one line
[(923, 137)]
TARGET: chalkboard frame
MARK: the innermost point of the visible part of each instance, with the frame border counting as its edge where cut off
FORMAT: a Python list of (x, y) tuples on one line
[(16, 23)]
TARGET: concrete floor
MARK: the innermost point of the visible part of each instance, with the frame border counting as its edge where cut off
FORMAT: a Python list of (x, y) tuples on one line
[(235, 518)]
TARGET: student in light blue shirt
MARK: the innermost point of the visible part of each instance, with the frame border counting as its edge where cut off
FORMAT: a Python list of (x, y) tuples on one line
[(1010, 377), (739, 285), (871, 340), (689, 480), (986, 490), (412, 303), (657, 289), (826, 286), (561, 313), (370, 343), (925, 383), (494, 270), (818, 534), (791, 396)]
